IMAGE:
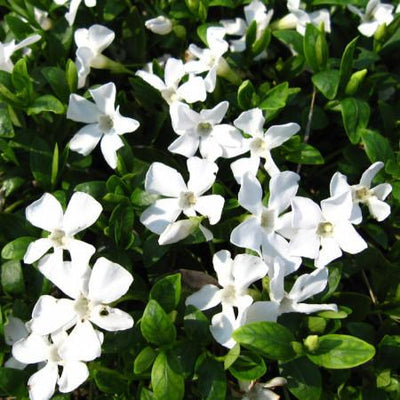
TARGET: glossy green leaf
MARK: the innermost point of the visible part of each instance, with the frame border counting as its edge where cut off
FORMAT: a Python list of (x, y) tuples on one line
[(376, 146), (12, 278), (57, 79), (248, 366), (48, 103), (315, 48), (196, 325), (355, 115), (16, 249), (167, 292), (341, 351), (166, 383), (211, 381), (346, 64), (121, 225), (270, 339), (6, 126), (156, 326), (327, 82), (144, 360)]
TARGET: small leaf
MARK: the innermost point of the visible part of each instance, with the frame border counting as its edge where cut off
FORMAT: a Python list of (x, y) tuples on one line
[(71, 76), (327, 82), (211, 379), (196, 325), (341, 351), (346, 64), (167, 292), (166, 383), (110, 381), (16, 249), (245, 96), (156, 326), (121, 225), (355, 115), (248, 367), (376, 146), (144, 360), (315, 48), (6, 127), (57, 79), (46, 103), (268, 338), (12, 278)]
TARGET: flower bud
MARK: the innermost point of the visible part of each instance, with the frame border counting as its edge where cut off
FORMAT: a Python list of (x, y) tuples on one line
[(160, 25)]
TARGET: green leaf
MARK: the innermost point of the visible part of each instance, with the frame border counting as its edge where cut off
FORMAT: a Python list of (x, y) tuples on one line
[(232, 356), (246, 95), (355, 81), (146, 394), (152, 251), (341, 351), (291, 38), (211, 381), (7, 152), (166, 383), (144, 360), (303, 379), (71, 76), (248, 367), (6, 127), (355, 115), (21, 80), (251, 34), (268, 338), (57, 79), (110, 381), (346, 64), (41, 162), (277, 97), (97, 189), (121, 225), (198, 8), (167, 292), (327, 82), (261, 43), (376, 146), (46, 103), (315, 48), (156, 326), (16, 249), (13, 382), (295, 150), (12, 278), (196, 325), (54, 167)]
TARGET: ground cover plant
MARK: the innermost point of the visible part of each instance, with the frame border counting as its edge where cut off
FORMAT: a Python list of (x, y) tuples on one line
[(199, 199)]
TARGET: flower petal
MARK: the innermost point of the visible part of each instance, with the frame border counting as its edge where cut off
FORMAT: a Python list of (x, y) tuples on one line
[(222, 326), (109, 145), (45, 213), (262, 311), (108, 282), (32, 349), (14, 330), (100, 37), (210, 206), (250, 194), (193, 90), (207, 297), (86, 139), (251, 122), (337, 208), (173, 72), (186, 145), (329, 251), (338, 184), (73, 375), (248, 235), (164, 180), (247, 269), (278, 134), (348, 238), (243, 165), (104, 97), (124, 124), (82, 110), (37, 249), (378, 209), (177, 231), (201, 175), (111, 319), (306, 213), (215, 115), (151, 79), (283, 187), (42, 384), (80, 252)]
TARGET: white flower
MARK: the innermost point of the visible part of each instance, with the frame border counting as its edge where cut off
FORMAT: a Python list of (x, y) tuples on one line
[(46, 213), (92, 292), (322, 233), (260, 231), (305, 286), (191, 91), (105, 123), (362, 193), (260, 143), (73, 8), (234, 278), (203, 130), (90, 43), (38, 349), (160, 25), (8, 49), (376, 14), (180, 198), (299, 18), (255, 11), (209, 59)]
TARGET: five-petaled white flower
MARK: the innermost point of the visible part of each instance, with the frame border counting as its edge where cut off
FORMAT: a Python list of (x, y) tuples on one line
[(92, 292), (46, 213), (322, 233), (260, 231), (376, 14), (234, 278), (305, 286), (203, 130), (180, 198), (209, 59), (9, 48), (191, 91), (160, 25), (260, 143), (106, 124), (38, 349), (255, 11), (90, 43), (362, 193)]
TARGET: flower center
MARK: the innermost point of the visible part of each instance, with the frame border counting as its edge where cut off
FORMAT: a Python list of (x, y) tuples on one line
[(105, 123), (187, 200), (268, 220), (82, 307), (229, 295), (258, 146), (53, 354), (170, 95), (361, 195), (204, 128), (59, 238), (325, 229)]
